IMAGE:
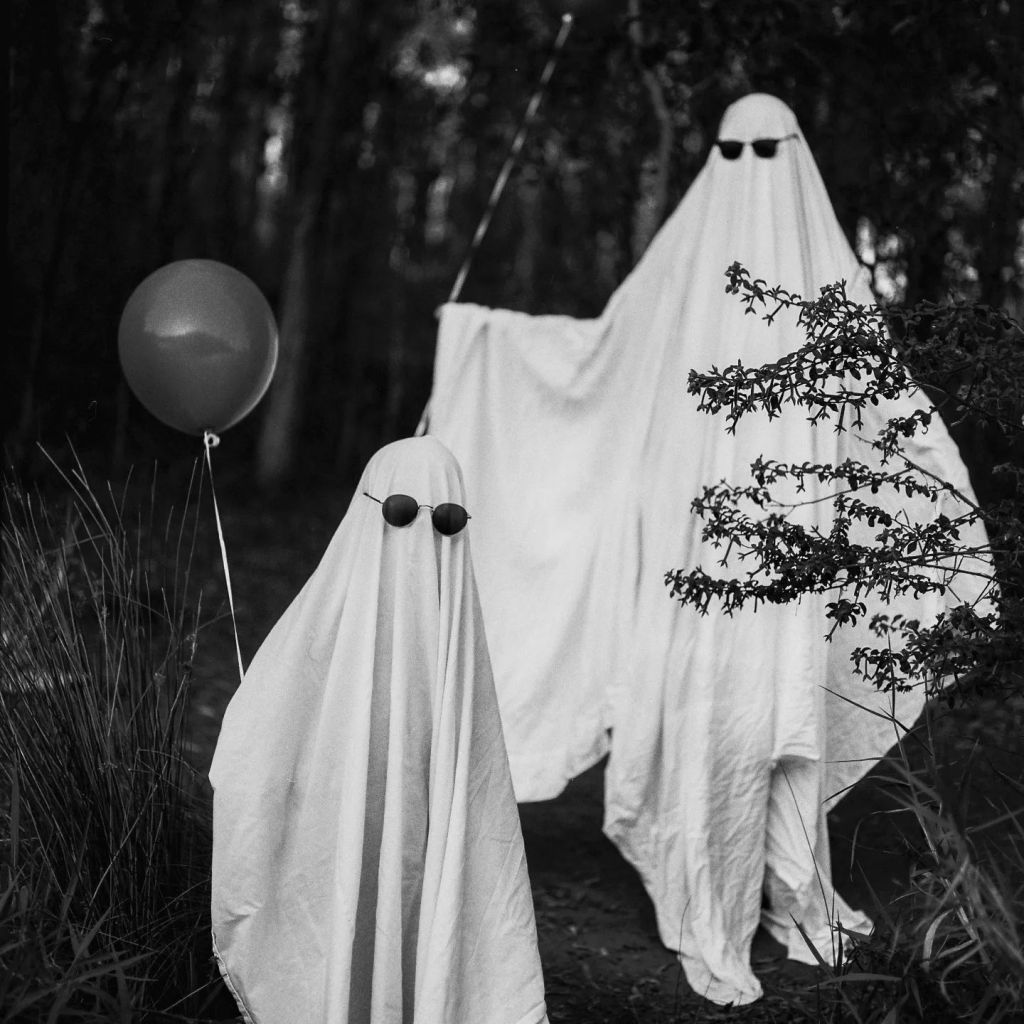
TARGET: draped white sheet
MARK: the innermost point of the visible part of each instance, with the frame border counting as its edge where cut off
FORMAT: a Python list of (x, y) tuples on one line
[(582, 452), (368, 862)]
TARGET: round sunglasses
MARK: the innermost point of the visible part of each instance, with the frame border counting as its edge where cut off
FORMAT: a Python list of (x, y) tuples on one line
[(401, 509), (765, 148)]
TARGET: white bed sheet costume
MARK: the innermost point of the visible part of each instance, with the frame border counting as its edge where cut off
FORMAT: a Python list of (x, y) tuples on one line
[(368, 862), (582, 452)]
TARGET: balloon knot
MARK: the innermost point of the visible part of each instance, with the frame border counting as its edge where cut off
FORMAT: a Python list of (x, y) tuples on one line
[(210, 439)]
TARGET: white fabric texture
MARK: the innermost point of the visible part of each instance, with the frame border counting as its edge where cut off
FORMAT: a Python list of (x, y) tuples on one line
[(368, 862), (583, 451)]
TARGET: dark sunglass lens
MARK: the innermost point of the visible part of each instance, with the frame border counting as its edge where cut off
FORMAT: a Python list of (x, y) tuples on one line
[(765, 147), (399, 509), (449, 518), (730, 150)]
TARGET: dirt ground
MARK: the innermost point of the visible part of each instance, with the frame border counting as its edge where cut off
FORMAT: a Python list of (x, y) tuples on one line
[(603, 961)]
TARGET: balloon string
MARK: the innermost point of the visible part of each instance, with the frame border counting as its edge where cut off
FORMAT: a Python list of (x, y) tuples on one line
[(517, 145), (211, 440)]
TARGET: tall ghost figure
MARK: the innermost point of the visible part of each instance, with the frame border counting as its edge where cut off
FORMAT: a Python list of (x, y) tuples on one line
[(583, 451), (368, 862)]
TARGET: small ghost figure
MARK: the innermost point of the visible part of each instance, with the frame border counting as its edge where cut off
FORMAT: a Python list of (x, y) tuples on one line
[(368, 862)]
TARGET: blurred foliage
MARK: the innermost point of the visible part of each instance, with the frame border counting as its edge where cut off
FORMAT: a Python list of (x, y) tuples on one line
[(192, 128)]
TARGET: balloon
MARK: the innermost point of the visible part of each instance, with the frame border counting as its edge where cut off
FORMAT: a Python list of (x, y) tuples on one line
[(198, 345)]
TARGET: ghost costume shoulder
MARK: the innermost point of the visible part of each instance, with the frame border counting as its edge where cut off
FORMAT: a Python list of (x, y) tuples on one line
[(368, 863)]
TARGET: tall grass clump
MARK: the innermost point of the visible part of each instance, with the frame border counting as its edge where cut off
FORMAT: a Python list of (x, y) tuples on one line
[(951, 949), (103, 853)]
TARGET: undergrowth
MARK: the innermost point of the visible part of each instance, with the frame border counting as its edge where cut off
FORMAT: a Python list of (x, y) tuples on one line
[(104, 857), (951, 947)]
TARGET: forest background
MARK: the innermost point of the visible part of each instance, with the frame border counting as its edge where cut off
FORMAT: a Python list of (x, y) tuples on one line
[(340, 153)]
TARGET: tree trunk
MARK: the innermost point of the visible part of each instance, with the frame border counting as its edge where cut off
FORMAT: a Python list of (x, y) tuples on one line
[(649, 211), (529, 193), (403, 187), (78, 113), (279, 431)]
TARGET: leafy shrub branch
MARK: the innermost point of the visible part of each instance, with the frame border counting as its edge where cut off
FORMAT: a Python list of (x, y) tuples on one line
[(970, 358)]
